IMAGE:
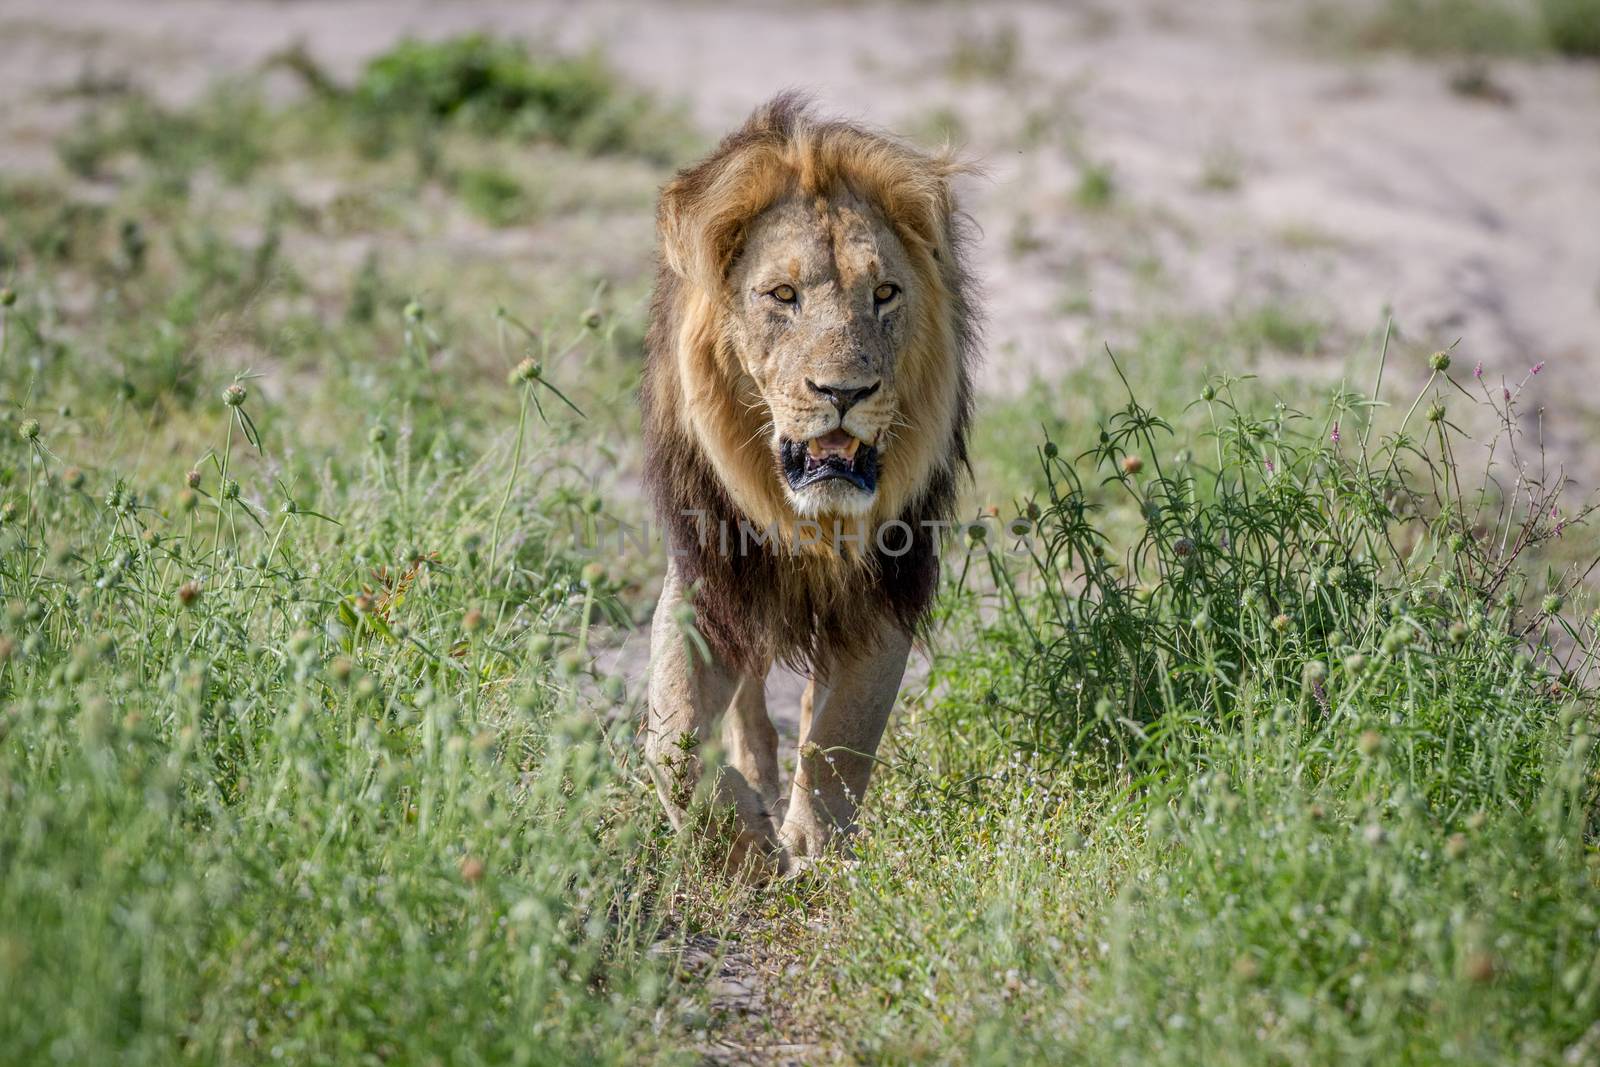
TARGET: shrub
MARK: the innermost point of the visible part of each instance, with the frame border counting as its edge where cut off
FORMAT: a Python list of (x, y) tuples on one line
[(1302, 757), (1573, 26), (499, 88)]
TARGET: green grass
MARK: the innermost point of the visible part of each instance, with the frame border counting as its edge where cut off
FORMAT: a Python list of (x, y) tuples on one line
[(1472, 27), (1097, 186), (1276, 748), (1250, 762)]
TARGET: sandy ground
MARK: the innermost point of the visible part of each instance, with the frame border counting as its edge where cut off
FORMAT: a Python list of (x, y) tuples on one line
[(1248, 169)]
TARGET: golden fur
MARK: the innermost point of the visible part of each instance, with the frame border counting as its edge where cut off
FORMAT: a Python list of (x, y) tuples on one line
[(708, 466)]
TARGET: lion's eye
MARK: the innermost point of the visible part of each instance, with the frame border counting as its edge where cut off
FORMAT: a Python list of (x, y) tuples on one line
[(784, 294), (885, 292)]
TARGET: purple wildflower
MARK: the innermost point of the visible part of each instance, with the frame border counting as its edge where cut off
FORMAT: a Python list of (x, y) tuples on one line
[(1334, 434), (1537, 367), (1477, 372)]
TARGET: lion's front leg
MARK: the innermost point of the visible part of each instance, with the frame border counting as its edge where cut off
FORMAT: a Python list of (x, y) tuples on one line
[(850, 708), (687, 695)]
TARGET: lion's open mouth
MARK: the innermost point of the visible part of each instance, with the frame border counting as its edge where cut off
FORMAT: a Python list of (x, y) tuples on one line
[(836, 454)]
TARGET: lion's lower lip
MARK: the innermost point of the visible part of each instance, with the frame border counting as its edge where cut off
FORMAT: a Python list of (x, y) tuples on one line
[(802, 468)]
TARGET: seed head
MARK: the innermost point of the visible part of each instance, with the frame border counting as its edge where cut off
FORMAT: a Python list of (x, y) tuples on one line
[(1479, 967), (188, 593), (8, 297), (1050, 450), (977, 532), (1455, 846), (593, 576), (1458, 633), (73, 477), (472, 621), (541, 645), (592, 318), (1201, 622), (1209, 393), (230, 489), (471, 870), (234, 395), (1355, 663), (378, 434), (192, 479), (1435, 412), (1370, 743), (527, 371), (1183, 547), (188, 500), (413, 311), (1315, 672), (29, 429), (1374, 834), (1281, 622), (1551, 603), (1132, 464), (1439, 361)]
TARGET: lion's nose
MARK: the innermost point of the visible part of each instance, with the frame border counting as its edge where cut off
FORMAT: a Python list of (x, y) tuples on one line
[(844, 397)]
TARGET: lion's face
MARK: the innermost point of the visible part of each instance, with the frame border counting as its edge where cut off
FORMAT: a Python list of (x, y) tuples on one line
[(823, 296)]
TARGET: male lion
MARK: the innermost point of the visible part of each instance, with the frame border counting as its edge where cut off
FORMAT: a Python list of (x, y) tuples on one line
[(806, 396)]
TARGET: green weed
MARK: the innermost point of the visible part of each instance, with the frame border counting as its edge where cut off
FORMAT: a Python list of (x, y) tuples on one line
[(1473, 27), (1273, 742), (499, 88), (1097, 186)]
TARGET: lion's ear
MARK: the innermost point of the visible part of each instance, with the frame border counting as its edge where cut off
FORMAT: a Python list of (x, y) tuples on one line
[(699, 229), (703, 214), (946, 214), (675, 223)]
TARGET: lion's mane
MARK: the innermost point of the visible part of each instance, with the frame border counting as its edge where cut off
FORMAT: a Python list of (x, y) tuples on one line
[(706, 464)]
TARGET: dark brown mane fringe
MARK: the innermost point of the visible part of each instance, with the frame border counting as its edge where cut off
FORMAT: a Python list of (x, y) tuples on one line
[(756, 604)]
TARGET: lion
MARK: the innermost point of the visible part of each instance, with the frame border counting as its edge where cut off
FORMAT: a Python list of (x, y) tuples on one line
[(806, 396)]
